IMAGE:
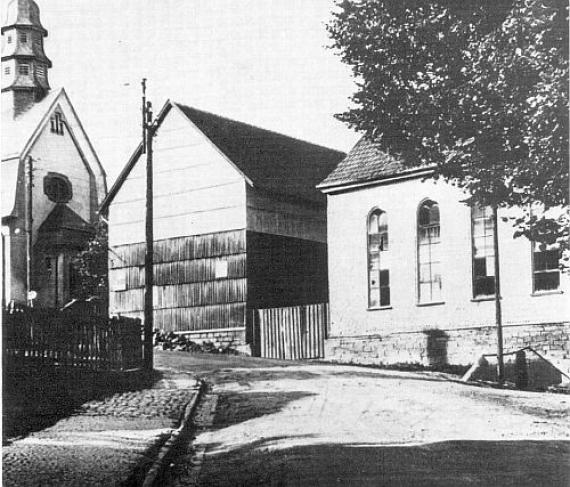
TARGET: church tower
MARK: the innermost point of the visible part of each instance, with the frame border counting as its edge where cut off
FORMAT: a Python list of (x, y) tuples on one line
[(24, 63)]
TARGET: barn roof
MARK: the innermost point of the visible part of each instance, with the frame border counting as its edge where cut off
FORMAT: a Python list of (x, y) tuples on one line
[(366, 162), (269, 160)]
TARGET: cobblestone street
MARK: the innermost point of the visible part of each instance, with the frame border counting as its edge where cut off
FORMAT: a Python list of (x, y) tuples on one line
[(277, 423), (109, 441)]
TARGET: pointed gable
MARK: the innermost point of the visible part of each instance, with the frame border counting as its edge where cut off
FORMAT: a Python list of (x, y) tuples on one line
[(19, 136), (272, 161)]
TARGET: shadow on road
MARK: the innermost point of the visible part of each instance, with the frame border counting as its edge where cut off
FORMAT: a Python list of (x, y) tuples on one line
[(448, 463), (234, 408), (34, 399)]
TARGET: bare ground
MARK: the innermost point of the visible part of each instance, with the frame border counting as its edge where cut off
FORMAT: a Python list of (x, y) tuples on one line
[(282, 423)]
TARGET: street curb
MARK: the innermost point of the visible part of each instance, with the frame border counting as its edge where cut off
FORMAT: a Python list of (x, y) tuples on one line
[(160, 462)]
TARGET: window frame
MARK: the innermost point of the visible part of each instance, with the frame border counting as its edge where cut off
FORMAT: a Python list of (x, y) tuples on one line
[(57, 123), (23, 37), (481, 297), (431, 301), (377, 211), (49, 179), (24, 67), (533, 272)]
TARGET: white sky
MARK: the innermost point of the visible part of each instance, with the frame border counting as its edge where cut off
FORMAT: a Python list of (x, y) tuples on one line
[(263, 62)]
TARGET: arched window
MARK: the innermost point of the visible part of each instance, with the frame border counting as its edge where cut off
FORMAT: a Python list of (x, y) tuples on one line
[(378, 272), (429, 253)]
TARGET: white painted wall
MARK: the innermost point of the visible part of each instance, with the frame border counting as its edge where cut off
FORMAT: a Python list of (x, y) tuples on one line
[(347, 252), (57, 153), (196, 190)]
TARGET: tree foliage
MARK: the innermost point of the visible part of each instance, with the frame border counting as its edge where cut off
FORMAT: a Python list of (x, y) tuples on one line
[(476, 88), (91, 266)]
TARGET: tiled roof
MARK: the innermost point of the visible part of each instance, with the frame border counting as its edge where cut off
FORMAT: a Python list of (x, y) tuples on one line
[(272, 161), (367, 161)]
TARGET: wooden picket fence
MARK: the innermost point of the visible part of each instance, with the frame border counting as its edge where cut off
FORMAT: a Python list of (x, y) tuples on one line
[(50, 337), (293, 333)]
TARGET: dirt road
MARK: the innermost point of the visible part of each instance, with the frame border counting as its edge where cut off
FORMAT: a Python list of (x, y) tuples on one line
[(277, 423)]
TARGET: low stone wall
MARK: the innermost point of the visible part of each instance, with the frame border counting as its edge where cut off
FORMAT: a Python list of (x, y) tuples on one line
[(454, 347), (234, 338)]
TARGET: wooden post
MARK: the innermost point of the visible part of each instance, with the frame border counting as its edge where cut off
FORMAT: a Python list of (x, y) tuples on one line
[(28, 225), (498, 311), (149, 240)]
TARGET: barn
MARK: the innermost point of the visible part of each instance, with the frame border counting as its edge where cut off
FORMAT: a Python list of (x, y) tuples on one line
[(238, 225)]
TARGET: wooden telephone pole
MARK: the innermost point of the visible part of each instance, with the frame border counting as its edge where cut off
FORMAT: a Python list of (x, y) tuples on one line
[(498, 310), (148, 131)]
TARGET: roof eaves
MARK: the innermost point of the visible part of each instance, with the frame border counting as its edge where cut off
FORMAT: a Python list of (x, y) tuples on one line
[(131, 162), (224, 155), (354, 184)]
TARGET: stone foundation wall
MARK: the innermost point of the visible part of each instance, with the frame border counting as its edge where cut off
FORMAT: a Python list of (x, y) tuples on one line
[(454, 347)]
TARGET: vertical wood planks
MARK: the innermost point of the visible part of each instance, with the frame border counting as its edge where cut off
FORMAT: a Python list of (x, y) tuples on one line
[(293, 333)]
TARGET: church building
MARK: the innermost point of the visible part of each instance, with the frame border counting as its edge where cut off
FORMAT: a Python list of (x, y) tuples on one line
[(51, 179), (412, 271)]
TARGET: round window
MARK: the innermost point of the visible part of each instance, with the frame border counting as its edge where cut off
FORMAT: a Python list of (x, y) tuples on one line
[(57, 188)]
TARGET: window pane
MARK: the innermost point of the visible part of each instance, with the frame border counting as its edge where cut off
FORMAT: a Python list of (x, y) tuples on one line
[(373, 223), (374, 242), (436, 292), (374, 260), (374, 299), (384, 241), (383, 222), (424, 254), (434, 214), (490, 266), (480, 267), (478, 228), (539, 259), (425, 292), (374, 280), (546, 281), (551, 259), (484, 286), (423, 236), (384, 278), (385, 296), (425, 275), (423, 216)]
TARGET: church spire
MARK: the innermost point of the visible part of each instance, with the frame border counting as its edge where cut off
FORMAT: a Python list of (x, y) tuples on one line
[(24, 63)]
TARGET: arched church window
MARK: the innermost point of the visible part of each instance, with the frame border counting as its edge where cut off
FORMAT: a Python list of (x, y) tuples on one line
[(57, 188)]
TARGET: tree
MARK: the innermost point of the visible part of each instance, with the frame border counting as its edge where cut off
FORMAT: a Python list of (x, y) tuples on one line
[(476, 88), (91, 266)]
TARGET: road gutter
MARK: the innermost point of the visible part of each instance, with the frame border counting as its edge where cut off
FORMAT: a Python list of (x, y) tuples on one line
[(161, 462)]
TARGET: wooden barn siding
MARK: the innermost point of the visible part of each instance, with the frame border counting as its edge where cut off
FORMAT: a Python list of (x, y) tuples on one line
[(187, 294), (282, 271), (285, 271)]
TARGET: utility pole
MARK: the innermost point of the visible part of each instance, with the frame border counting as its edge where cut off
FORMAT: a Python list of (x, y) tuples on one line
[(498, 311), (148, 134), (28, 226)]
